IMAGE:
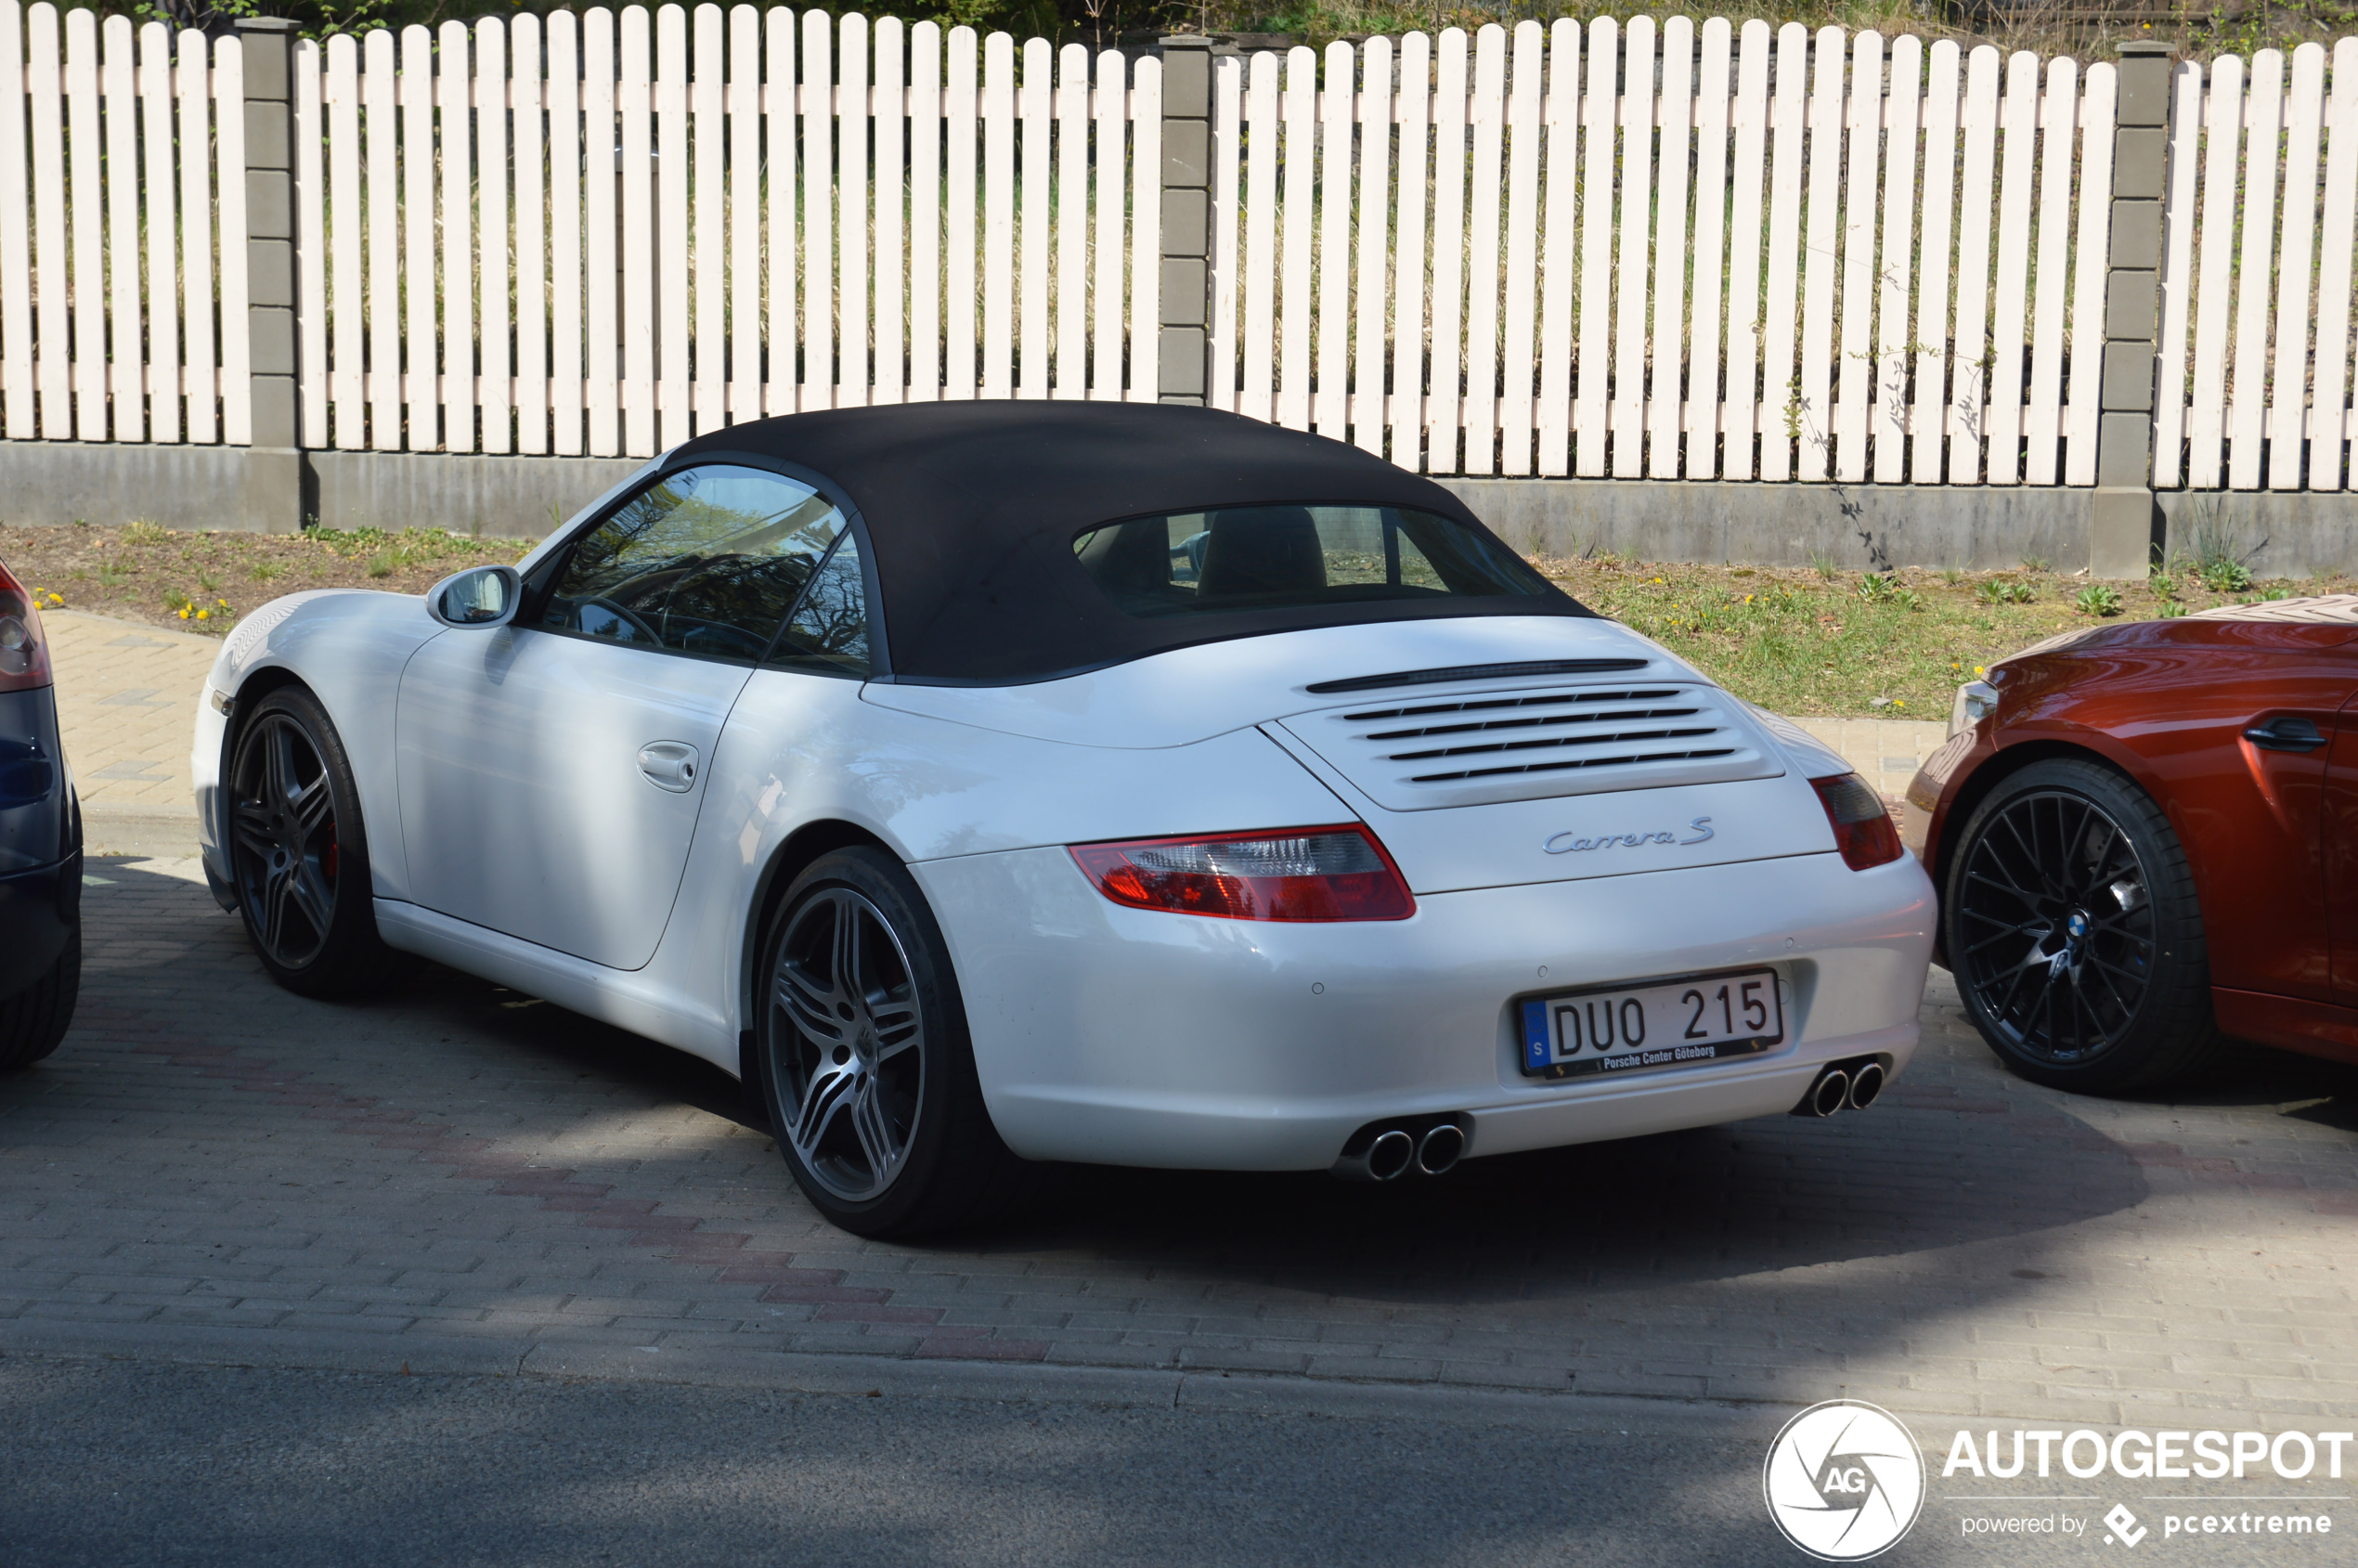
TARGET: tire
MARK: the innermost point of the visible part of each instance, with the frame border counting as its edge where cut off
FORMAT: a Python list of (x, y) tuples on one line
[(32, 1022), (299, 852), (2075, 935), (866, 1069)]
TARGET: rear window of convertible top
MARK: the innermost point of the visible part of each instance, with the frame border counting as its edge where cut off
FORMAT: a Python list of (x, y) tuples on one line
[(1278, 557)]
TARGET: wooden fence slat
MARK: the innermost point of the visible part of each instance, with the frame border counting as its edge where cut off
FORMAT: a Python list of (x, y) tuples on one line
[(531, 240), (2009, 333), (2042, 426), (1146, 231), (604, 321), (854, 304), (1928, 419), (16, 237), (1299, 174), (1443, 409), (1035, 181), (401, 248), (1639, 57), (1592, 386), (310, 247), (1812, 405), (1780, 389), (2329, 469), (634, 233), (1408, 265), (455, 171), (2305, 126), (1715, 99), (51, 285), (125, 360), (87, 214), (2092, 258), (1375, 242), (1227, 261), (1109, 172), (673, 173), (1333, 333), (1895, 278), (1854, 387), (924, 212), (163, 226), (201, 384), (1740, 416), (818, 213), (960, 251), (998, 215), (709, 135), (1522, 251), (1663, 417), (2222, 125), (1562, 110), (2177, 273), (1968, 363), (1069, 287), (492, 220), (347, 237), (229, 139), (892, 374), (1483, 243), (568, 405), (2247, 394)]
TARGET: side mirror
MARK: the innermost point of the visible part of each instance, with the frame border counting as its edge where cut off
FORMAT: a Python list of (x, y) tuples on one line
[(477, 599)]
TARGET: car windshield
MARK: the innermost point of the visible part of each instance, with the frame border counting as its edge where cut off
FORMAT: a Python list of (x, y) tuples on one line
[(1277, 557)]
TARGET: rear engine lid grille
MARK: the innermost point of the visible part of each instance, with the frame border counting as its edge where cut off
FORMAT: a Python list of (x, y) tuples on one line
[(1527, 745)]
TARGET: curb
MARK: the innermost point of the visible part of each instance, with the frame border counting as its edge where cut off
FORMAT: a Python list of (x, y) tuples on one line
[(856, 1376)]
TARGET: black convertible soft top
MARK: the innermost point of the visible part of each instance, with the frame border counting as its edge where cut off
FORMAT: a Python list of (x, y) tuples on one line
[(972, 509)]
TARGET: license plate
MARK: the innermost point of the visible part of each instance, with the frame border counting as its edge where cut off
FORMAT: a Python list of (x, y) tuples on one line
[(1693, 1022)]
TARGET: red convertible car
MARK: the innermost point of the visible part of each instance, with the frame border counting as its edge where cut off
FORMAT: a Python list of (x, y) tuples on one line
[(2146, 839)]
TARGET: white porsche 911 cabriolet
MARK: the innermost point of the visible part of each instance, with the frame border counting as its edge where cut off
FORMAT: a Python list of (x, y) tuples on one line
[(992, 782)]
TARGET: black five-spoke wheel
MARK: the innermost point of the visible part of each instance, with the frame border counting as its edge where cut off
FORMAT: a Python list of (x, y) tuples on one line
[(298, 854), (862, 1057), (2074, 934)]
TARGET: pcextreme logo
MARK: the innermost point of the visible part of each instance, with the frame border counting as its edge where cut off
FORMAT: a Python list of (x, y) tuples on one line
[(1844, 1481)]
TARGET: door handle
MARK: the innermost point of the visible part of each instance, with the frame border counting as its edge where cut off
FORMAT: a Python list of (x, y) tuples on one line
[(2286, 734), (669, 765)]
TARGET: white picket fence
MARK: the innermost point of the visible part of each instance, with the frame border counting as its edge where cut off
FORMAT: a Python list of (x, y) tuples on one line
[(1664, 251), (122, 251)]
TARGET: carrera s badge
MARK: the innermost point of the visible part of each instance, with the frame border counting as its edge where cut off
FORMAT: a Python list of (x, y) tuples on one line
[(1566, 843)]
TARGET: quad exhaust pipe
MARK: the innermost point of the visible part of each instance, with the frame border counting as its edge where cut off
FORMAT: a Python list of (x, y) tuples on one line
[(1385, 1151), (1851, 1085)]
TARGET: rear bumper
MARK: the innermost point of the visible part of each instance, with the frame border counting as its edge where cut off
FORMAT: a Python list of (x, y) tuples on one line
[(39, 911), (1130, 1037)]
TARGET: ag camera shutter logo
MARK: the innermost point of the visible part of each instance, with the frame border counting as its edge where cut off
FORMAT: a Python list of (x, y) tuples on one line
[(1844, 1481)]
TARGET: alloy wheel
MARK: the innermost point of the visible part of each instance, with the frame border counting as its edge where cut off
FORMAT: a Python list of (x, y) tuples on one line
[(283, 830), (847, 1044), (2057, 922)]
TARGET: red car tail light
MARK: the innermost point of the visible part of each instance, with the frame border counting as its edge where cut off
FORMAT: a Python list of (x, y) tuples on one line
[(1864, 829), (1339, 873), (24, 653)]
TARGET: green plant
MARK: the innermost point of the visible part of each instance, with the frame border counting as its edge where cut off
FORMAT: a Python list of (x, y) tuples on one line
[(2225, 575), (2097, 599), (113, 573), (2172, 609), (1825, 565), (145, 531), (382, 565), (2272, 594), (267, 571), (2035, 563), (1999, 591), (1953, 576)]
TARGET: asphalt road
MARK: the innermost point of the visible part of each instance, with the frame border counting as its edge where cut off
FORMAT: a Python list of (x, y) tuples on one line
[(121, 1463)]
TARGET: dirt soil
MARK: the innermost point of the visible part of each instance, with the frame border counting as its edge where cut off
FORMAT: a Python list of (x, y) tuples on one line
[(203, 582)]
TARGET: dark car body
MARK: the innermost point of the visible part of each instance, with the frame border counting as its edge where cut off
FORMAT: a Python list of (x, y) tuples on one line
[(2242, 725), (40, 821)]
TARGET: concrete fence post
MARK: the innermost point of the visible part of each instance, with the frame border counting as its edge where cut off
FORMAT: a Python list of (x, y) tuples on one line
[(273, 472), (1186, 219), (2121, 512)]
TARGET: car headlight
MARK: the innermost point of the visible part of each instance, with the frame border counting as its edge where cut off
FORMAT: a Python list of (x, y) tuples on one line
[(1976, 699)]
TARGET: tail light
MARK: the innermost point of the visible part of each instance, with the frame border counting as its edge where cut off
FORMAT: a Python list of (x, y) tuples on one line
[(1864, 829), (1337, 873), (24, 653)]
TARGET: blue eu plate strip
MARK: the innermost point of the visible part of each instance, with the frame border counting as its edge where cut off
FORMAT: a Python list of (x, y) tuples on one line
[(1535, 1036)]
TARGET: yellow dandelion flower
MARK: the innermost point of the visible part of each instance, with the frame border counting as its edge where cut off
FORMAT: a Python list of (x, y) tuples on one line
[(1978, 669), (184, 612), (203, 613)]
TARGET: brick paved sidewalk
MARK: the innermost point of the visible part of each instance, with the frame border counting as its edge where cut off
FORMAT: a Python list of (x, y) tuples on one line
[(459, 1160)]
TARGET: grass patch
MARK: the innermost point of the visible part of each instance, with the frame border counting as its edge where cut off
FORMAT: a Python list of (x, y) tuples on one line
[(1867, 644)]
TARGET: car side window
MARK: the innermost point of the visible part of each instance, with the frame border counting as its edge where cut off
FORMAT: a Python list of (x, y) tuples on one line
[(706, 560), (829, 632)]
